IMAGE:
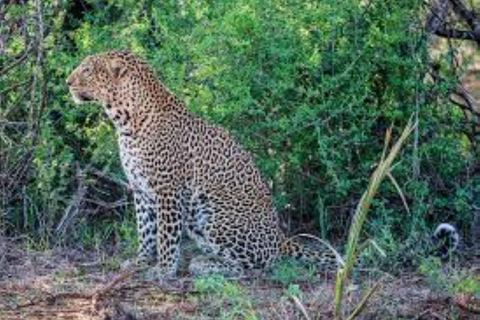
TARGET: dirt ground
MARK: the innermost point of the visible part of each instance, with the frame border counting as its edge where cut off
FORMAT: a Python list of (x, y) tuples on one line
[(70, 284)]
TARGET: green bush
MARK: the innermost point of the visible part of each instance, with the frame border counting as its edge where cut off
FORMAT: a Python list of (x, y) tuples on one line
[(309, 87)]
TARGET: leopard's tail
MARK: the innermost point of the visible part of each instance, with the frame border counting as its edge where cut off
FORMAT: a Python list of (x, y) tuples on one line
[(314, 250), (446, 240)]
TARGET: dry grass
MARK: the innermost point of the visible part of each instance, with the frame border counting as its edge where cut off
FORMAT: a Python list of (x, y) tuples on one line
[(56, 285)]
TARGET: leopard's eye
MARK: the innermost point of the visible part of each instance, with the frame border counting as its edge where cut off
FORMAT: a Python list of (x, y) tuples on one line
[(87, 70)]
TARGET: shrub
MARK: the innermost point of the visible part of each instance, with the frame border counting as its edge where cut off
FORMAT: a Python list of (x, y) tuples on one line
[(308, 87)]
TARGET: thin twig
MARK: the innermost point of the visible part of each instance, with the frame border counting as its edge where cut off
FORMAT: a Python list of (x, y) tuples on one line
[(15, 86), (103, 291), (20, 60), (102, 174)]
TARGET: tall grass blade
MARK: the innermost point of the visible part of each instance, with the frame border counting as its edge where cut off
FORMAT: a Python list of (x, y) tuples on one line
[(399, 190), (361, 211), (375, 246), (300, 306)]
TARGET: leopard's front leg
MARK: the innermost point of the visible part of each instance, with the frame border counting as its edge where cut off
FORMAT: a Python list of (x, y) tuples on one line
[(146, 209), (169, 232)]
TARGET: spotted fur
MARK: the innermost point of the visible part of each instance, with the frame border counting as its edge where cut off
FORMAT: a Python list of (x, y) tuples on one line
[(188, 176)]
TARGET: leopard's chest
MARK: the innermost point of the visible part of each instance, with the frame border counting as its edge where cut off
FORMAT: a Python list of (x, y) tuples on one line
[(133, 163)]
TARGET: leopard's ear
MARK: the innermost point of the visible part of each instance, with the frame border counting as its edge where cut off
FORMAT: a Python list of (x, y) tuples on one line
[(117, 68)]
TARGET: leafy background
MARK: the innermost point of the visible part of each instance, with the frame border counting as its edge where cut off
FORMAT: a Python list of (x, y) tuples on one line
[(308, 87)]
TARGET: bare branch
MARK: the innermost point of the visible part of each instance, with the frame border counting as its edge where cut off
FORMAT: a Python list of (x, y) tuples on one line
[(38, 73), (73, 208), (18, 61), (103, 175), (436, 23), (457, 34), (468, 15), (438, 16), (15, 86)]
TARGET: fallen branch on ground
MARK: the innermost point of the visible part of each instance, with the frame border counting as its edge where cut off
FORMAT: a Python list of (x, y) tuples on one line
[(467, 303), (95, 296), (105, 290)]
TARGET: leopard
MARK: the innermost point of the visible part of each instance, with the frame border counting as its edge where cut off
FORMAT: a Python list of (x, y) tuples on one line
[(190, 178)]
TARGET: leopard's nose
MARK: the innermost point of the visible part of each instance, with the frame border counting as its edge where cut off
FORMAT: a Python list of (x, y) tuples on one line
[(70, 80)]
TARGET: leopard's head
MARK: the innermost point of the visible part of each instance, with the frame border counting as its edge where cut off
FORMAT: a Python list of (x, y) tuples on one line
[(121, 82), (97, 77)]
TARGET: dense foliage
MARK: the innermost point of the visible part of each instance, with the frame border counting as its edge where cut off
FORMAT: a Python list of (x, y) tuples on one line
[(309, 87)]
